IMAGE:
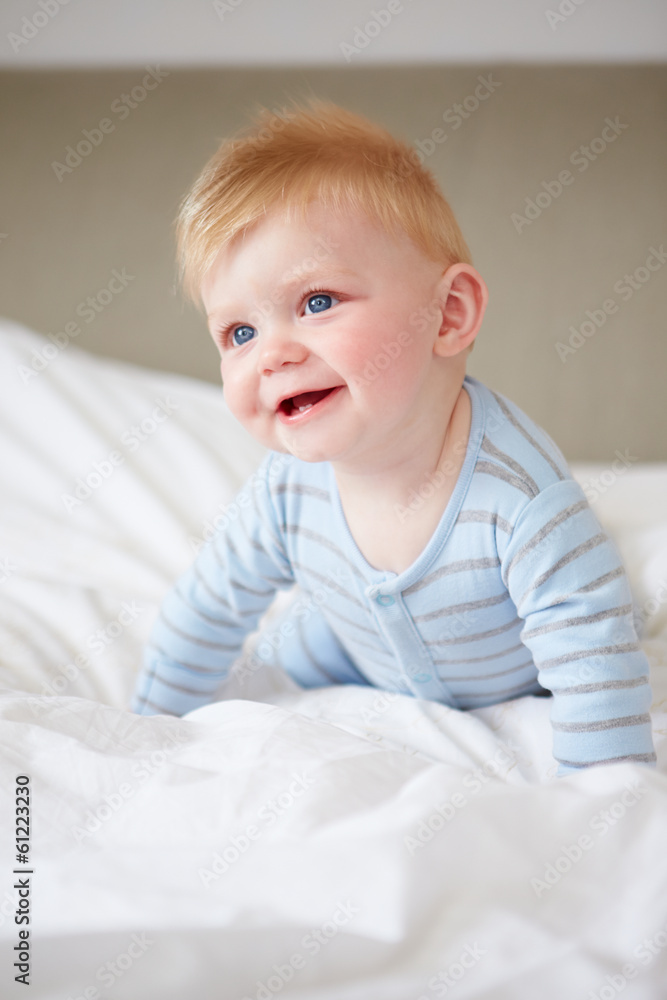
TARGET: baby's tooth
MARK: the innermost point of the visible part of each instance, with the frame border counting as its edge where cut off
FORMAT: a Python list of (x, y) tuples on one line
[(306, 407)]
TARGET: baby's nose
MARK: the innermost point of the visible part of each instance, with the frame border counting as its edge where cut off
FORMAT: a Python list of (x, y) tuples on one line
[(279, 346)]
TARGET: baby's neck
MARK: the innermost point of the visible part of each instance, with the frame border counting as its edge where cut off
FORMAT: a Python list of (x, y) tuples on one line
[(393, 513)]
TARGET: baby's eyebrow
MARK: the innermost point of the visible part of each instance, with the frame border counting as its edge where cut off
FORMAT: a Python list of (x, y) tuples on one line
[(320, 273)]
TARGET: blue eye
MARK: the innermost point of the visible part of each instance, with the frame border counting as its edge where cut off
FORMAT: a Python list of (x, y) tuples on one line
[(238, 336), (244, 337), (322, 301)]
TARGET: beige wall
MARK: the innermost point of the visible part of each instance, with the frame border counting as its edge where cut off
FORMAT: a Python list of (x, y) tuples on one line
[(62, 239)]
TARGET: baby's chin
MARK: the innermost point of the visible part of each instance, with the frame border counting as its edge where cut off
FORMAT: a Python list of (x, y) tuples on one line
[(305, 452), (313, 450)]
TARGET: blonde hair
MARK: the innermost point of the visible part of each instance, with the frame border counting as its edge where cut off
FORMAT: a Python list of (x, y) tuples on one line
[(323, 152)]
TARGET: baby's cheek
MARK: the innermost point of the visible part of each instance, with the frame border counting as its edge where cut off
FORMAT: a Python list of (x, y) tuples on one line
[(384, 348), (237, 398), (393, 369), (352, 355), (371, 358)]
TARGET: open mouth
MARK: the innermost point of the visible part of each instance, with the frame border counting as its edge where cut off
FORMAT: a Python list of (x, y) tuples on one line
[(304, 402)]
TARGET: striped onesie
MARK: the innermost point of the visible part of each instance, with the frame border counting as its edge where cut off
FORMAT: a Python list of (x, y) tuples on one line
[(518, 592)]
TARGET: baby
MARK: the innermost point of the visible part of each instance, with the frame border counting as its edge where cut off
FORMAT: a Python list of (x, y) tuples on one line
[(439, 544)]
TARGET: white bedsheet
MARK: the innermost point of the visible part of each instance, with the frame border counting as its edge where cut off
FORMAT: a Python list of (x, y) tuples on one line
[(269, 844)]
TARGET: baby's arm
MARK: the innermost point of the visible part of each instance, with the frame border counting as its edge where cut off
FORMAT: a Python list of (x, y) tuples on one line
[(302, 643), (568, 582), (205, 618)]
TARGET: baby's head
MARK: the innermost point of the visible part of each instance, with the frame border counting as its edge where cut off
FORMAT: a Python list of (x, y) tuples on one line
[(319, 200)]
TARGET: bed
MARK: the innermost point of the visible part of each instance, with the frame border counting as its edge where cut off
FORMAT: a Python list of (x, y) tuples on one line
[(326, 844)]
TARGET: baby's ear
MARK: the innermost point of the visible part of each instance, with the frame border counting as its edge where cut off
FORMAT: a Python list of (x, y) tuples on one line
[(464, 295)]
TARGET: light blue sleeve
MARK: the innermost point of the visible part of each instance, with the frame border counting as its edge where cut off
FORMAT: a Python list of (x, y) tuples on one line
[(567, 580), (207, 615), (301, 642)]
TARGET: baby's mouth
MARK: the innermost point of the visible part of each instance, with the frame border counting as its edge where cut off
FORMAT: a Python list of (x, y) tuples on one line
[(304, 400)]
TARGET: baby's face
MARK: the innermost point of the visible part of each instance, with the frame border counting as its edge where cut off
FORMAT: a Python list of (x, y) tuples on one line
[(329, 307)]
